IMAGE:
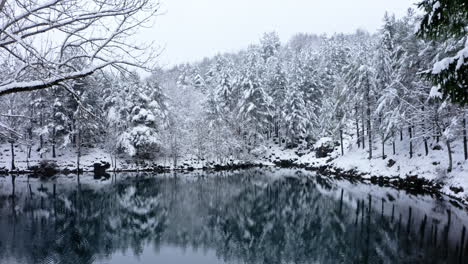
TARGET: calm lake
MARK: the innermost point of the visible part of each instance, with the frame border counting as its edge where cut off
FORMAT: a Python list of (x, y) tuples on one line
[(253, 216)]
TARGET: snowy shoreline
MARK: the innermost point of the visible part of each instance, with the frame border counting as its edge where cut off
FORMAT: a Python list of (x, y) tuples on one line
[(413, 184), (333, 165)]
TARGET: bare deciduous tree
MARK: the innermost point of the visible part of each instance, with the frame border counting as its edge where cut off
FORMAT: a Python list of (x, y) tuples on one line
[(48, 42)]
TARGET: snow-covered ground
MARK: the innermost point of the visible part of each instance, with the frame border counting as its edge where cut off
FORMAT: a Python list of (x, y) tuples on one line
[(432, 167), (66, 158)]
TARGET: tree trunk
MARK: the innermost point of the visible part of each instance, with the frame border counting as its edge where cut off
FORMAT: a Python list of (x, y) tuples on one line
[(357, 133), (383, 148), (341, 142), (465, 144), (30, 137), (426, 147), (393, 143), (78, 152), (363, 133), (401, 134), (12, 156), (175, 153), (449, 149), (369, 128), (28, 155), (370, 139), (53, 144), (41, 138), (276, 128), (29, 150), (411, 142), (424, 132)]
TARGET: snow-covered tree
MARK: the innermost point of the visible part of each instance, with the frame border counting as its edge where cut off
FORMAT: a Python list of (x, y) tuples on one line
[(296, 115), (137, 112), (447, 20), (255, 103)]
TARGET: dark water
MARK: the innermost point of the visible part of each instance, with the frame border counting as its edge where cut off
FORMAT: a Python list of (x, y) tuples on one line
[(255, 216)]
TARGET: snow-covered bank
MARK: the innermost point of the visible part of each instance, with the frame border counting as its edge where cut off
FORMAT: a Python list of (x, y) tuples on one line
[(66, 159), (430, 170)]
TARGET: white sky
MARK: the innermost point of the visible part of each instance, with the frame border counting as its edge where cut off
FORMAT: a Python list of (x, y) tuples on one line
[(190, 30)]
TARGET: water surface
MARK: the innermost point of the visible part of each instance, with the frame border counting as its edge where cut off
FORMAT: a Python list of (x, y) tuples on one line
[(252, 216)]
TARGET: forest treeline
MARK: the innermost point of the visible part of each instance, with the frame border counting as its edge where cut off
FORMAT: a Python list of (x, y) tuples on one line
[(407, 81)]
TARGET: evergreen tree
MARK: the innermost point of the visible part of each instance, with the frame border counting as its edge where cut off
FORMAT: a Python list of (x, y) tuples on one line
[(447, 20), (296, 115), (255, 103)]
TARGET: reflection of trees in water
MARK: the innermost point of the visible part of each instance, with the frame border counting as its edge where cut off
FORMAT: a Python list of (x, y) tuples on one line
[(243, 218), (286, 222), (81, 224)]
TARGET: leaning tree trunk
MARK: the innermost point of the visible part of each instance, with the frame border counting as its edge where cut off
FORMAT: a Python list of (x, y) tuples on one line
[(426, 147), (357, 134), (449, 149)]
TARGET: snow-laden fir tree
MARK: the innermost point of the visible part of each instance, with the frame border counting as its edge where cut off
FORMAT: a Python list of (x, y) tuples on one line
[(447, 21), (255, 105)]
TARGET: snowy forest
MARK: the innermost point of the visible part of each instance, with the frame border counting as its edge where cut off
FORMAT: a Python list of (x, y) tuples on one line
[(295, 147), (68, 86)]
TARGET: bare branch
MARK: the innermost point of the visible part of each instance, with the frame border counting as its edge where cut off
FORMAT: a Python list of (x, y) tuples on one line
[(42, 84), (48, 42), (16, 116)]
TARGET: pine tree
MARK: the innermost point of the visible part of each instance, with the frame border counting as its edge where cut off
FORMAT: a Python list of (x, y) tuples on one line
[(269, 45), (447, 20), (255, 103), (276, 84), (296, 115), (137, 113), (388, 83)]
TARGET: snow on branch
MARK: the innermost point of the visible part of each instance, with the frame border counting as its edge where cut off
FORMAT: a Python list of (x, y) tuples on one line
[(25, 86), (8, 132), (44, 43)]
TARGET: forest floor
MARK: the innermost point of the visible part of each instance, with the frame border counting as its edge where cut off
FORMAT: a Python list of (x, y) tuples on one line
[(432, 168)]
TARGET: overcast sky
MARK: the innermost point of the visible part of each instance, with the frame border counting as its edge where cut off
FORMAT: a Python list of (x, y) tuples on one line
[(190, 30)]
